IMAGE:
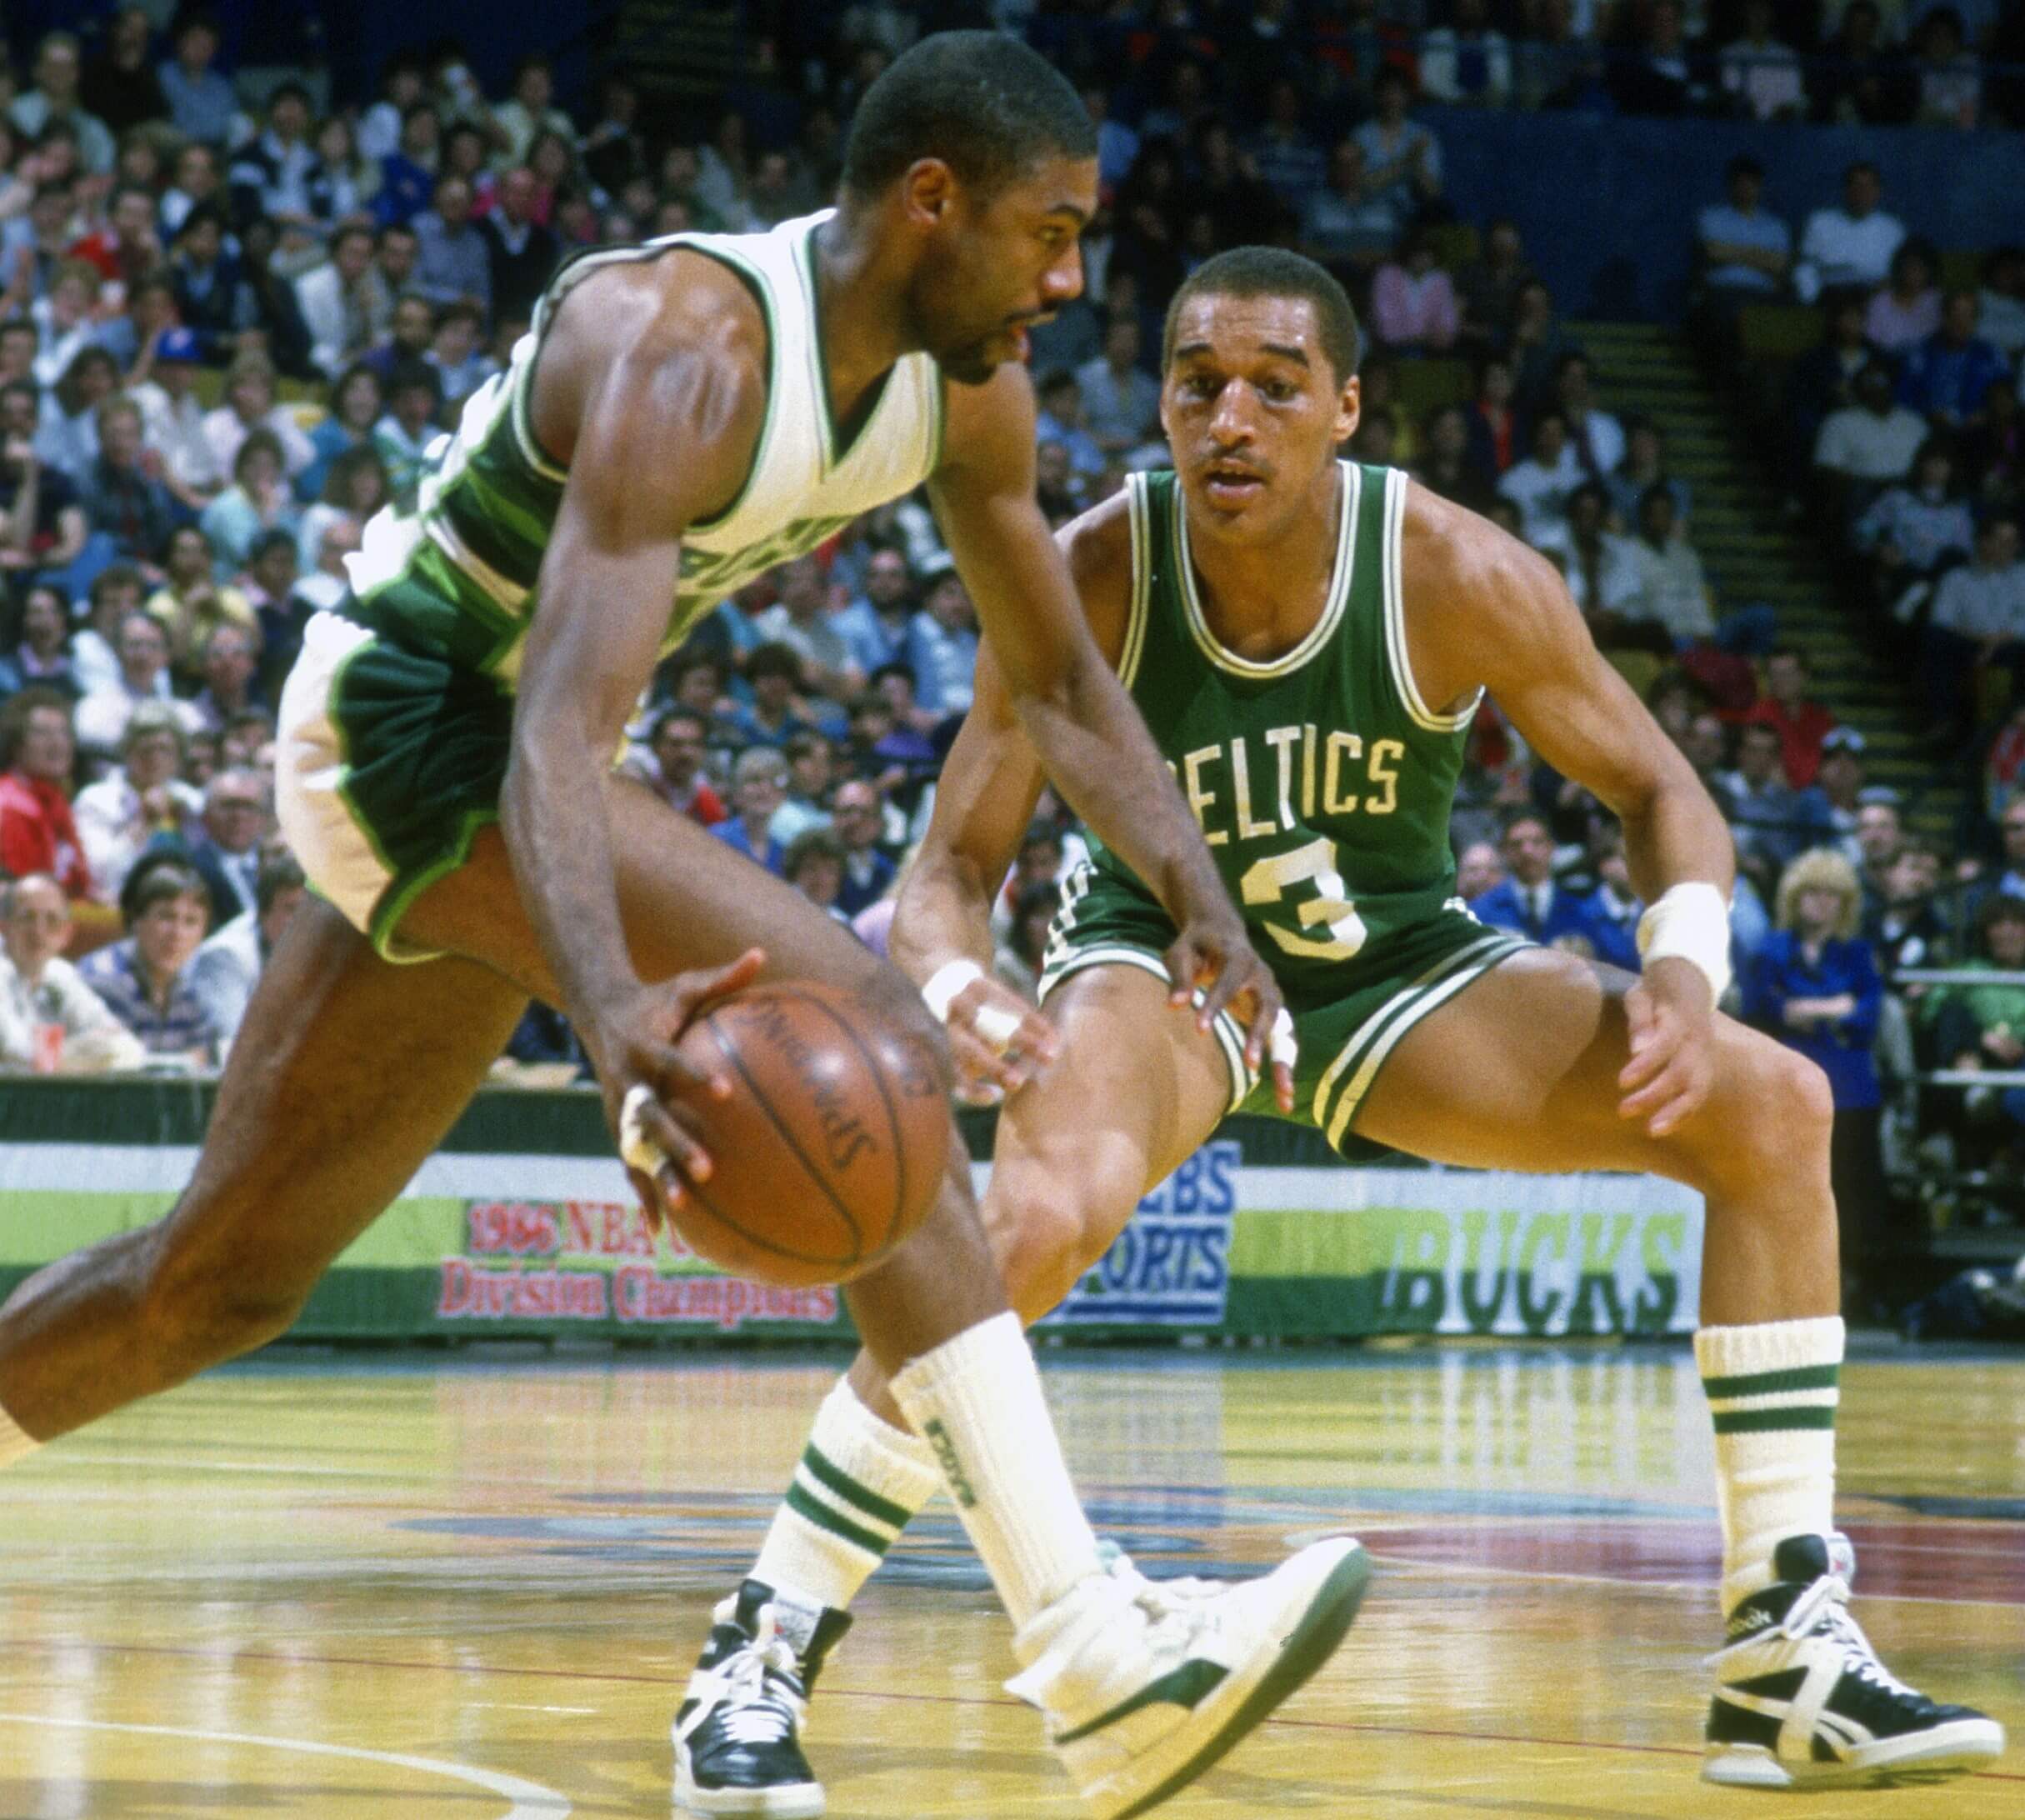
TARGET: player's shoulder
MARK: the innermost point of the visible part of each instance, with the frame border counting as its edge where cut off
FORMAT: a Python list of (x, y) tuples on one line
[(679, 342), (1457, 566), (1098, 546)]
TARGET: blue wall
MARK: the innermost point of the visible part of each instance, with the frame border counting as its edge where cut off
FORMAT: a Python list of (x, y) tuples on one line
[(1607, 206)]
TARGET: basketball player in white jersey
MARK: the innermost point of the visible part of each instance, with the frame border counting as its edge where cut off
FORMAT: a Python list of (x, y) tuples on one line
[(681, 417)]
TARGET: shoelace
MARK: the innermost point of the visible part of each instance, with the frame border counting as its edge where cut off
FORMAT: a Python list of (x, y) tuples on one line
[(756, 1708), (1823, 1608)]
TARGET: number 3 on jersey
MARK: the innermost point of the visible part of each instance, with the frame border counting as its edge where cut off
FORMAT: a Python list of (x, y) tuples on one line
[(1269, 880)]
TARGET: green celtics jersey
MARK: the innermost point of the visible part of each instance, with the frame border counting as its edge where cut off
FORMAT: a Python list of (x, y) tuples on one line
[(1321, 780), (454, 572)]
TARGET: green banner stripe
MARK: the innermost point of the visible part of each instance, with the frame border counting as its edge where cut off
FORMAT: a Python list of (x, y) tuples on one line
[(1771, 1383), (834, 1478), (823, 1518), (1772, 1421)]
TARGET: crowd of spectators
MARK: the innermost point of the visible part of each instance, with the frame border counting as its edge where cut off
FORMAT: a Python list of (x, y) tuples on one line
[(233, 323)]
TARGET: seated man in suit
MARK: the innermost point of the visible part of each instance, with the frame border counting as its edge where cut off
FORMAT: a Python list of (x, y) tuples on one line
[(1529, 900)]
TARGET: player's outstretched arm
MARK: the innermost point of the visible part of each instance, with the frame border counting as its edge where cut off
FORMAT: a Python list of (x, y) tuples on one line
[(657, 434), (1482, 607), (983, 801), (1075, 710)]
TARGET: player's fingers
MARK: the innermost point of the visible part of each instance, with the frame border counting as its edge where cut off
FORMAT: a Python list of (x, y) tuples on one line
[(1186, 964), (1283, 1087), (1661, 1044), (1663, 1087), (692, 991), (1234, 975), (981, 1063), (651, 1197), (673, 1132), (676, 1071)]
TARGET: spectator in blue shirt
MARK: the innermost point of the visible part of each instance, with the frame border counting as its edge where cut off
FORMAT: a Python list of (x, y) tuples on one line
[(943, 647), (874, 623), (1117, 144), (1061, 421), (1947, 376), (1286, 153), (772, 717), (202, 103), (407, 175), (143, 979), (1746, 250), (858, 816), (759, 787), (1530, 901), (1815, 986)]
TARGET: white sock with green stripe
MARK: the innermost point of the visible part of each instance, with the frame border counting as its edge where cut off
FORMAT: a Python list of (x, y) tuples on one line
[(977, 1401), (859, 1483), (16, 1444), (1772, 1392)]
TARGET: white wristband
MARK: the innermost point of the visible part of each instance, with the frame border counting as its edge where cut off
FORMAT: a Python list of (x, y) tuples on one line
[(946, 980), (1690, 923)]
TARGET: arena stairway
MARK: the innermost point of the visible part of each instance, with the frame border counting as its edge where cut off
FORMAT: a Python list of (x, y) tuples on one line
[(1753, 552)]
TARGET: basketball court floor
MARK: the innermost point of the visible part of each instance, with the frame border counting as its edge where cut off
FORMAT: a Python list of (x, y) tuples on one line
[(471, 1588)]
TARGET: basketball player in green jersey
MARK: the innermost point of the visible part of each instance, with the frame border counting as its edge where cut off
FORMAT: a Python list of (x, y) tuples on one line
[(682, 416), (1307, 640)]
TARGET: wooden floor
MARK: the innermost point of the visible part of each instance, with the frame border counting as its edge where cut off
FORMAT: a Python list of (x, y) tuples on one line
[(472, 1589)]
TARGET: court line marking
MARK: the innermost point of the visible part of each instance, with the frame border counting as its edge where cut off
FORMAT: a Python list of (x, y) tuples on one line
[(835, 1693), (531, 1801)]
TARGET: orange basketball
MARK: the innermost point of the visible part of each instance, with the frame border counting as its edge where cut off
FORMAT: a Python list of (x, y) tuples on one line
[(832, 1149)]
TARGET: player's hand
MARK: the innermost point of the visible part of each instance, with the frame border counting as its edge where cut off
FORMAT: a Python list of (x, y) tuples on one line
[(1672, 1023), (632, 1046), (1213, 957), (999, 1042)]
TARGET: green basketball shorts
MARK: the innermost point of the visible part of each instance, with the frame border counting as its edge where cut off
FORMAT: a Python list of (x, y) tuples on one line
[(387, 763), (1348, 1016)]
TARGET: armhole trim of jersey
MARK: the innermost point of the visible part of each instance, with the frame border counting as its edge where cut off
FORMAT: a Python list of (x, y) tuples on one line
[(1410, 698), (1139, 516), (755, 281)]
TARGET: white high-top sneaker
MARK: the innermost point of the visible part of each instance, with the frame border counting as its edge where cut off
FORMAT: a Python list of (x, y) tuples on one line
[(1802, 1701), (1146, 1683)]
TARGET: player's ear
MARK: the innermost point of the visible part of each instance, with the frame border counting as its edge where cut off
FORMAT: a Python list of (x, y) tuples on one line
[(927, 191), (1349, 406)]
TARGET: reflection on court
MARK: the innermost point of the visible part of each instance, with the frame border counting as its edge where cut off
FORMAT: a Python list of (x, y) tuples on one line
[(471, 1589)]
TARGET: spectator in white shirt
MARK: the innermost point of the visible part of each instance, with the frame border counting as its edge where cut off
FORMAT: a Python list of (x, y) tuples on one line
[(54, 98), (1851, 245), (173, 421), (1540, 486), (342, 301), (1596, 437), (143, 650), (1865, 446), (250, 405), (1670, 587), (2002, 297), (1760, 71), (530, 110), (120, 814), (115, 593), (51, 1022), (1977, 618), (225, 970)]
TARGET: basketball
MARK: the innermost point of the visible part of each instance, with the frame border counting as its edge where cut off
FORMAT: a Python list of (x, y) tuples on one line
[(830, 1151)]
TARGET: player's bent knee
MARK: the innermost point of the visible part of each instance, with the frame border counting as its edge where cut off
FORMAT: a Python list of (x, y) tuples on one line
[(1044, 1241)]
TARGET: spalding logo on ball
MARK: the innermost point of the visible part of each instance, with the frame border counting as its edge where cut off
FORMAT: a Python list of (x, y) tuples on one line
[(832, 1150)]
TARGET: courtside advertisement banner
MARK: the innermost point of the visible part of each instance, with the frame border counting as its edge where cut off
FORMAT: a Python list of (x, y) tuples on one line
[(1260, 1234)]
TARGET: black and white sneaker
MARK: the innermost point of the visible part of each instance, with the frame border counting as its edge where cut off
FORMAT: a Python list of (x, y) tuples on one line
[(1802, 1701), (738, 1731)]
